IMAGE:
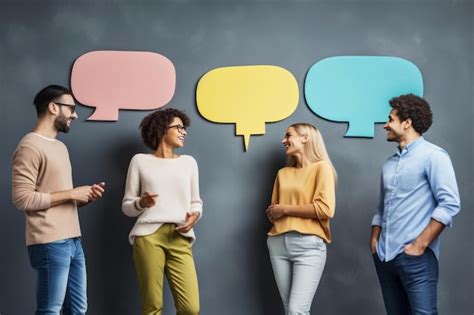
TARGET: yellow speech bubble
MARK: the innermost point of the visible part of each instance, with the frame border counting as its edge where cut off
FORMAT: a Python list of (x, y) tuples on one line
[(248, 96)]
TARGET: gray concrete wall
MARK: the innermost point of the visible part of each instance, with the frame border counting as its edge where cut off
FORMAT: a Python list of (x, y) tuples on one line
[(39, 41)]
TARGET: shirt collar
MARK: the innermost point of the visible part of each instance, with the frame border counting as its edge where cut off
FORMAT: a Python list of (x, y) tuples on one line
[(411, 146)]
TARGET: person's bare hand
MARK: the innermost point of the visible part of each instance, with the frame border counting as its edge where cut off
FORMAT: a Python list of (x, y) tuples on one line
[(275, 211), (97, 191), (190, 220), (148, 200), (414, 249), (373, 245), (81, 194)]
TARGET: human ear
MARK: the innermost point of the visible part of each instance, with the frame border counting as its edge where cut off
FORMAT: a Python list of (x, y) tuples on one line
[(53, 108), (408, 123)]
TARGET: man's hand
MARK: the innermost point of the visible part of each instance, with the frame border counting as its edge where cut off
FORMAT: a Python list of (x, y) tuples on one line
[(373, 246), (97, 191), (190, 220), (275, 211), (81, 194), (414, 249), (148, 200), (374, 238), (430, 233), (88, 193)]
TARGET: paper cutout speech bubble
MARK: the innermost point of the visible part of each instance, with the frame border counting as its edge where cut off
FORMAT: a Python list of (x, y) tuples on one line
[(357, 89), (113, 80), (248, 96)]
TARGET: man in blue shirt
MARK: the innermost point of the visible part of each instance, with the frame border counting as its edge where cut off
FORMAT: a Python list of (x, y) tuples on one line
[(418, 198)]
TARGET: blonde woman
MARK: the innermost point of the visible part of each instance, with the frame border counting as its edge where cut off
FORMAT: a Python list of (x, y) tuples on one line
[(162, 191), (303, 202)]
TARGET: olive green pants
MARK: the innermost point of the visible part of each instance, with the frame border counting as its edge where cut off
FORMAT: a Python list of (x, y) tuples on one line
[(166, 252)]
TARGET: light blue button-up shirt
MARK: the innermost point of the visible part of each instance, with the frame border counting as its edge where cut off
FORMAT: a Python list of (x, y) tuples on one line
[(417, 184)]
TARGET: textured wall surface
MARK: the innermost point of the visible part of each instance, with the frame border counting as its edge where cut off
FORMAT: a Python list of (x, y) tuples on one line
[(39, 41)]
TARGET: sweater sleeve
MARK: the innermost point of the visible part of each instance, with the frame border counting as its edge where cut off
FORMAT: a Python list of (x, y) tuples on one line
[(25, 171), (324, 198), (131, 198), (196, 202)]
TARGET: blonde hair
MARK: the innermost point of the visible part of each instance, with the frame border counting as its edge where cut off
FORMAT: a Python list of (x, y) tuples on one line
[(314, 149)]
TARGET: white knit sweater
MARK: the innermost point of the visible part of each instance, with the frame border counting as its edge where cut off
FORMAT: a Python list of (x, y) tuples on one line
[(176, 181)]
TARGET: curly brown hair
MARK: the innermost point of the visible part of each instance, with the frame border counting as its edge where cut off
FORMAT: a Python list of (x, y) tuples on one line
[(154, 126), (415, 108)]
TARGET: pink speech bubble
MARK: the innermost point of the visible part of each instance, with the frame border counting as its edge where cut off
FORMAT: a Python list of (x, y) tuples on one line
[(113, 80)]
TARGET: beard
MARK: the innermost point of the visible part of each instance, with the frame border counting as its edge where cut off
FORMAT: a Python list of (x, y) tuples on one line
[(60, 123), (394, 137)]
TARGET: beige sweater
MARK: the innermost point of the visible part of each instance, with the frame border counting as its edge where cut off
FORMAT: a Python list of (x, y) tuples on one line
[(41, 166)]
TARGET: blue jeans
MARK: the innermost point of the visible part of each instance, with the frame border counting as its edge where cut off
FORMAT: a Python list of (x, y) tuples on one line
[(409, 283), (298, 262), (61, 272)]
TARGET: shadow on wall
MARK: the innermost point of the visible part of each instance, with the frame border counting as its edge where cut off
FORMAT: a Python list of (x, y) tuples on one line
[(116, 278), (260, 265)]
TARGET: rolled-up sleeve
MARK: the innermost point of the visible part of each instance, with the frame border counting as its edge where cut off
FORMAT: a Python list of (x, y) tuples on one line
[(377, 218), (25, 169), (443, 184)]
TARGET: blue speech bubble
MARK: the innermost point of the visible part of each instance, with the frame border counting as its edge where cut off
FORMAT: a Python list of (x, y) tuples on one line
[(356, 89)]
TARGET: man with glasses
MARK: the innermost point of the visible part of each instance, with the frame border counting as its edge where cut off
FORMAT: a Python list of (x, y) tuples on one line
[(42, 187)]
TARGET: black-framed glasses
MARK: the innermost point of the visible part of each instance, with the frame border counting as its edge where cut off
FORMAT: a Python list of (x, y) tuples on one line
[(180, 128), (72, 107)]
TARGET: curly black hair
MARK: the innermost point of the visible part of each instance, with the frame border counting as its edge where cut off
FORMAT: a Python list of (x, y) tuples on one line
[(415, 108), (154, 126)]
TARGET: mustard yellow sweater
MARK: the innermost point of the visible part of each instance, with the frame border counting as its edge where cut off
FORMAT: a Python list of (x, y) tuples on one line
[(313, 184)]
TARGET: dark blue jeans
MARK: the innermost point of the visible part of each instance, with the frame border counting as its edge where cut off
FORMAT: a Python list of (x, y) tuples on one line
[(409, 283), (61, 271)]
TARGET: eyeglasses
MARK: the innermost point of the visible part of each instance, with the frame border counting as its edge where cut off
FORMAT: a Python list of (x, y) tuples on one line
[(180, 128), (72, 107)]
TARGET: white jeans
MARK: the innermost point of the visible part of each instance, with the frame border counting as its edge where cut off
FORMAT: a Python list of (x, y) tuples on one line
[(298, 262)]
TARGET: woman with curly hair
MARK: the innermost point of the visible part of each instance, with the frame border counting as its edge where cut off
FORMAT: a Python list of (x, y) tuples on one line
[(303, 202), (162, 191)]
